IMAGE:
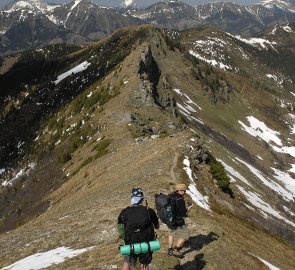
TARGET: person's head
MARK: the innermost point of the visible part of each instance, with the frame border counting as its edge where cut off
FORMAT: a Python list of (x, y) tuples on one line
[(136, 196), (180, 188)]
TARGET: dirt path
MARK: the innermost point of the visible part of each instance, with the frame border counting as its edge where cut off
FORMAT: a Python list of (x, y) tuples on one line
[(174, 166)]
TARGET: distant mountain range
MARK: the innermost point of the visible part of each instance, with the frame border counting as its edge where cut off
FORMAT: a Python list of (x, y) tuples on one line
[(226, 15), (30, 24)]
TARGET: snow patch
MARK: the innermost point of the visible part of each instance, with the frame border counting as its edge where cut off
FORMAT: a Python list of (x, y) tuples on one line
[(259, 157), (286, 194), (259, 129), (188, 99), (46, 259), (292, 117), (211, 62), (21, 173), (255, 41), (76, 3), (234, 173), (292, 170), (288, 29), (83, 66), (288, 211), (286, 179), (255, 200), (279, 81), (269, 265), (285, 150), (192, 191)]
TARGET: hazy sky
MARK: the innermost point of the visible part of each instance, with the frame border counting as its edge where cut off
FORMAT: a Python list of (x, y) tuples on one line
[(141, 3)]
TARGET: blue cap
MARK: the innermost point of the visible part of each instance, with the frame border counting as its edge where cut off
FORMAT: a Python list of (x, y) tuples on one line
[(136, 192)]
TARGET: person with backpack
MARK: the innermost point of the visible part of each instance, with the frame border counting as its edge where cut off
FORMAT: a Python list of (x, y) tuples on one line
[(137, 224), (178, 228)]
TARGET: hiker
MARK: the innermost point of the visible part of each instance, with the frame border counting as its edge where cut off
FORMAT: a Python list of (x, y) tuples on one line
[(137, 224), (179, 229)]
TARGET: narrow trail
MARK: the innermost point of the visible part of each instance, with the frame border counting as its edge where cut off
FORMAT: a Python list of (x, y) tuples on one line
[(174, 166)]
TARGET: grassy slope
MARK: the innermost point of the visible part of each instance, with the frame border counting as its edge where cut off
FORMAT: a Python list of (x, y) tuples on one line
[(83, 210)]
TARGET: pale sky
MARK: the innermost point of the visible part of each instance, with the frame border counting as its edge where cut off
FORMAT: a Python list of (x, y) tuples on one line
[(141, 3)]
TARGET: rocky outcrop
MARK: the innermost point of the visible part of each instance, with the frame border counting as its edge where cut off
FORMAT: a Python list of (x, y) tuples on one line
[(149, 73), (197, 153)]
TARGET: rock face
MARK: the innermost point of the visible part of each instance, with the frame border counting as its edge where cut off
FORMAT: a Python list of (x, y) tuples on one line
[(149, 74)]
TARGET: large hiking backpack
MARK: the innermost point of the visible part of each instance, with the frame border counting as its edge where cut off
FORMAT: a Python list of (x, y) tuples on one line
[(137, 225), (165, 208)]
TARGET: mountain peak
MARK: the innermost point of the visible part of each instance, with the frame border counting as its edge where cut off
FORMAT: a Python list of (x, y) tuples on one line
[(35, 5), (29, 2), (79, 2), (128, 3), (282, 4)]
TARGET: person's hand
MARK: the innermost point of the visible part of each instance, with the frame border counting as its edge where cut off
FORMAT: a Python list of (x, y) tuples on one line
[(189, 205)]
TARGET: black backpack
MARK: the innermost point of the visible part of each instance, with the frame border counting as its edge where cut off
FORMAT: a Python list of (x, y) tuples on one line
[(137, 225), (165, 206)]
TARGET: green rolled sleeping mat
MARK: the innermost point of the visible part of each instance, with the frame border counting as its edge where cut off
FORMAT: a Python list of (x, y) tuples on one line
[(139, 248)]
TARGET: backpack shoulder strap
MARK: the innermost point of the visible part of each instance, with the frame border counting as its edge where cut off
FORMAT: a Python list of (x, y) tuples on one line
[(124, 211), (172, 199)]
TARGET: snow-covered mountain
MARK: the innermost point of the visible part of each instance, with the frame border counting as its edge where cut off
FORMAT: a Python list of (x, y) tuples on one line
[(286, 5), (90, 20), (128, 3), (226, 15), (33, 5), (169, 14), (40, 23), (19, 11), (27, 24)]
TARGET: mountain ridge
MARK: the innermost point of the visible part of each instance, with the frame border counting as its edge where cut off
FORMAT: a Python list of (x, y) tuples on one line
[(224, 132)]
